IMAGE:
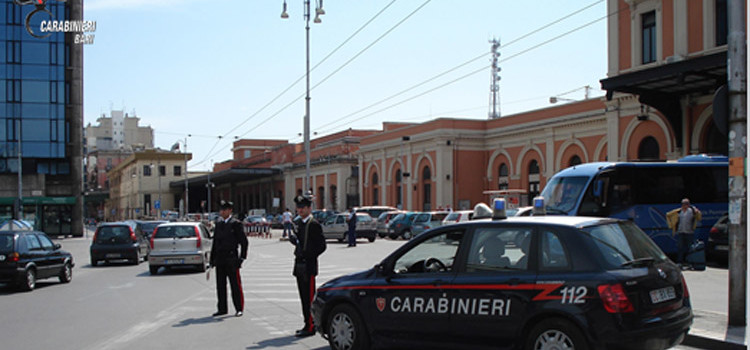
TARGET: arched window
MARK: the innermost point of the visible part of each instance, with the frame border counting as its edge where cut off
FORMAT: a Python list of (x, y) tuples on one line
[(426, 189), (533, 181), (648, 149), (321, 197), (375, 191), (399, 190), (574, 160), (333, 197), (502, 177)]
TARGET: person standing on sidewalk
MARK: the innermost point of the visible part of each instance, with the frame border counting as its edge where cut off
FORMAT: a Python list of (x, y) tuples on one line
[(287, 222), (228, 236), (351, 232), (683, 222), (309, 244)]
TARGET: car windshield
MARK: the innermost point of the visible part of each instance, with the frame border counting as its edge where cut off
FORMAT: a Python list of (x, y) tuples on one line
[(398, 217), (150, 226), (175, 232), (114, 234), (438, 216), (452, 216), (624, 244), (424, 217), (6, 243), (561, 193)]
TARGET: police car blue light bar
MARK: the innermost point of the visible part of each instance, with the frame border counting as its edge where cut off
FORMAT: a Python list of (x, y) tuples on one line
[(539, 208), (498, 209)]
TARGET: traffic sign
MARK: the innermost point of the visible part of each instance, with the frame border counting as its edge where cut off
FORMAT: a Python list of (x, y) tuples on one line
[(157, 204)]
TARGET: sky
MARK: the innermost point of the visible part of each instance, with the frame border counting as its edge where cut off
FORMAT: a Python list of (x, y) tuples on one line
[(221, 70)]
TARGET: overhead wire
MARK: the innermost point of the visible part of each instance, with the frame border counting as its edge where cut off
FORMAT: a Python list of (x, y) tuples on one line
[(337, 122), (329, 75)]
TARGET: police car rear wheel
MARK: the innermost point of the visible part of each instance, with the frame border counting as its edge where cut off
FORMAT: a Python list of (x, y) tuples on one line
[(555, 333), (346, 331)]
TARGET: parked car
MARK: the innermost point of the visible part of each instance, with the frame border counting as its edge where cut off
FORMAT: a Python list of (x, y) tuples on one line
[(458, 216), (400, 225), (336, 227), (718, 240), (256, 221), (427, 220), (383, 220), (118, 241), (180, 244), (375, 210), (28, 256)]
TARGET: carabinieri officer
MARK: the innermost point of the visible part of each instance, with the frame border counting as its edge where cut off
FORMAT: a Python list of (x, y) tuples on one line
[(228, 236), (310, 243)]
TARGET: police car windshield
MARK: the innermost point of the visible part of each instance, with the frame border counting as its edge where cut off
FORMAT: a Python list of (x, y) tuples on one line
[(561, 193), (622, 244)]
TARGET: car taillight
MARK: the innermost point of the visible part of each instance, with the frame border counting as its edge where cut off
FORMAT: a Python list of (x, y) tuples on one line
[(13, 257), (152, 239), (95, 233), (132, 235), (398, 225), (458, 219), (198, 236), (685, 293), (614, 298), (714, 231)]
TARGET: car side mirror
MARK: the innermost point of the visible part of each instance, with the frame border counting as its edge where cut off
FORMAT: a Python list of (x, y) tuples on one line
[(383, 270), (57, 246)]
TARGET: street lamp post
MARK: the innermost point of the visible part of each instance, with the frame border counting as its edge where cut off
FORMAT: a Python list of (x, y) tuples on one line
[(318, 11), (209, 185)]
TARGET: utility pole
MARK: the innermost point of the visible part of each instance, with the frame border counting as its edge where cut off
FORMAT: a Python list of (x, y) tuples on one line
[(19, 207), (737, 138), (494, 81), (186, 181)]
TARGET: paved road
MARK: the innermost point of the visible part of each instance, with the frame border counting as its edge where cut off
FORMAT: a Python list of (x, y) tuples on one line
[(121, 306)]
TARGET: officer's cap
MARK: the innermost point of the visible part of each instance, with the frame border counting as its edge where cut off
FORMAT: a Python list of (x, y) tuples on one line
[(226, 205), (303, 201)]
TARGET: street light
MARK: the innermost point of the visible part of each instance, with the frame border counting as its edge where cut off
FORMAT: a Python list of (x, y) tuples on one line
[(176, 146), (318, 12)]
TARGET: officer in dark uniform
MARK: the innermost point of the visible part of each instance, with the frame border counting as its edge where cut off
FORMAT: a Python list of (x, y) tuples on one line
[(228, 235), (310, 243)]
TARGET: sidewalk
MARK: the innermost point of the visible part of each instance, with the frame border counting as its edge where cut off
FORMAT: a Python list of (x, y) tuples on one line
[(710, 331)]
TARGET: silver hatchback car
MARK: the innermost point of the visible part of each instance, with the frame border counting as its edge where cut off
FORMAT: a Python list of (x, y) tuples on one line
[(180, 244)]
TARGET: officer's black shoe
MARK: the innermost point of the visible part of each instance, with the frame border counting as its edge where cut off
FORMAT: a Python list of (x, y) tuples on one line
[(219, 313), (304, 332), (238, 314)]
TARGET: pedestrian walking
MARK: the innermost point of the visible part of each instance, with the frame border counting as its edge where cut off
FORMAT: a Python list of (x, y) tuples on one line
[(287, 222), (309, 244), (228, 237), (683, 222), (351, 232)]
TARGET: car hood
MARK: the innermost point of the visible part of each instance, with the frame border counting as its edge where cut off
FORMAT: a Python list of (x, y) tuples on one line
[(354, 279)]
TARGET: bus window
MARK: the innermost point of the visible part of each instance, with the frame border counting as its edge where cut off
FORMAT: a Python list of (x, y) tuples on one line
[(561, 194)]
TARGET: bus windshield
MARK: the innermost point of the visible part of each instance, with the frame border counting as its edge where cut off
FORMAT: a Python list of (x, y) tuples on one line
[(561, 194)]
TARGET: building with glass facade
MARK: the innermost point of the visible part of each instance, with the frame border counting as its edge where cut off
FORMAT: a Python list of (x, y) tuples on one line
[(41, 117)]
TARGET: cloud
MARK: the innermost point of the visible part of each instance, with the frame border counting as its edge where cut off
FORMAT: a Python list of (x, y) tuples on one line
[(106, 5)]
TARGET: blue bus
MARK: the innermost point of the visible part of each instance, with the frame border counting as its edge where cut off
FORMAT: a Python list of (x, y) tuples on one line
[(643, 192)]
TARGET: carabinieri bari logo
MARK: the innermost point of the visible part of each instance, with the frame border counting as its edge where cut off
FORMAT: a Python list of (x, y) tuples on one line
[(51, 25)]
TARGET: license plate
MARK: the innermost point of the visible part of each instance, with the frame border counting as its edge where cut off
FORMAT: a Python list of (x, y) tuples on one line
[(174, 261), (113, 255), (722, 247), (663, 294)]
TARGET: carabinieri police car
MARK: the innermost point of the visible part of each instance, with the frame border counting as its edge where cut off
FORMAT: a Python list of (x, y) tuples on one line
[(540, 282)]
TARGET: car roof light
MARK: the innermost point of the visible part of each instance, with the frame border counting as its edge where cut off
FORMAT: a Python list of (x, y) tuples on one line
[(498, 209), (539, 208), (482, 211)]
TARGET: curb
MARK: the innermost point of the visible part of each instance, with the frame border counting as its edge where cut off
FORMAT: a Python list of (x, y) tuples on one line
[(703, 342)]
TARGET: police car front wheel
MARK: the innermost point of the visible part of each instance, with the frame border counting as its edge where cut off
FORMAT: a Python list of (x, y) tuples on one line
[(346, 331), (555, 333)]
